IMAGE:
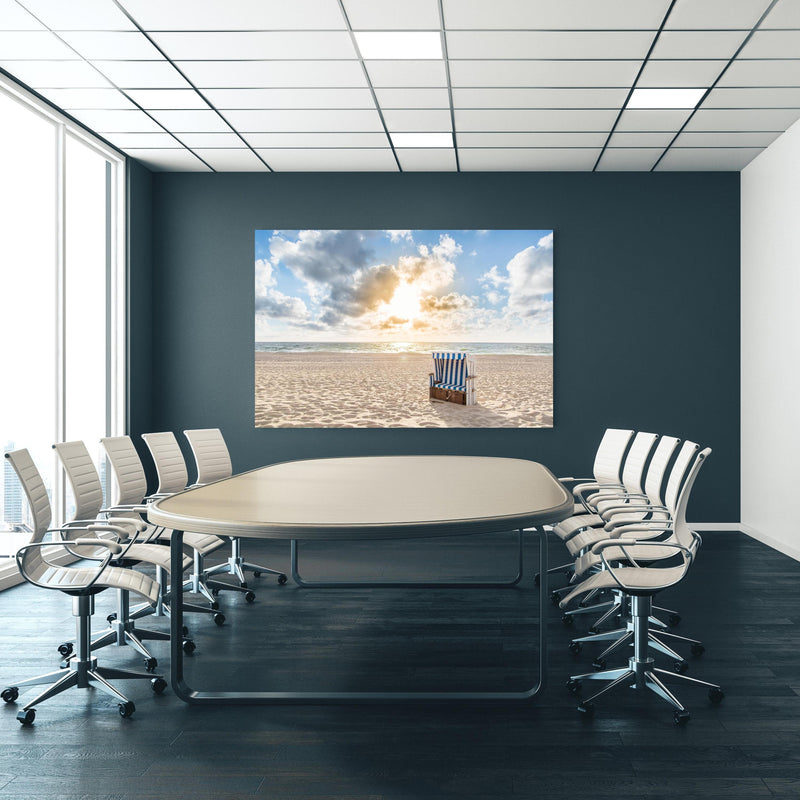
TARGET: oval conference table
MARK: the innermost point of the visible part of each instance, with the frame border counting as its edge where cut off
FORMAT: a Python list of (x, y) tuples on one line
[(389, 497)]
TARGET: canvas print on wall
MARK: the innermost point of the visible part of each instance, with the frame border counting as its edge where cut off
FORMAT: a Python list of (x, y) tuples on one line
[(404, 328)]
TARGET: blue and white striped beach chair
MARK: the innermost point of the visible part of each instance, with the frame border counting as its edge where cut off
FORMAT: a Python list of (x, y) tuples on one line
[(452, 379)]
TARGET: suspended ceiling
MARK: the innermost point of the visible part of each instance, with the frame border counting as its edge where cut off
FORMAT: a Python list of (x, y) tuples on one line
[(283, 85)]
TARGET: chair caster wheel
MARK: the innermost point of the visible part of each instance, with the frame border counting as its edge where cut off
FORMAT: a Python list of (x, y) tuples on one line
[(150, 664), (681, 717), (214, 606), (716, 695), (10, 694), (219, 619), (575, 648), (215, 592), (126, 709), (555, 598), (573, 686), (256, 573), (243, 584), (65, 649), (587, 709), (674, 619), (282, 580), (250, 596), (189, 646), (568, 620), (158, 685), (681, 667), (26, 717), (536, 579), (598, 664), (698, 649), (111, 618), (594, 630), (184, 631)]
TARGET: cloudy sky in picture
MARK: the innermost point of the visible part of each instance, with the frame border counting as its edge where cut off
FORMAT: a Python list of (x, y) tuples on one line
[(404, 285)]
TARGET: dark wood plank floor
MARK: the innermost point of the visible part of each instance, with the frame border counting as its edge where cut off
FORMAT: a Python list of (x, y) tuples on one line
[(741, 598)]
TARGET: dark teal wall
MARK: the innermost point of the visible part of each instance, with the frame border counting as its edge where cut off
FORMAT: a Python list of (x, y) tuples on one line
[(646, 307)]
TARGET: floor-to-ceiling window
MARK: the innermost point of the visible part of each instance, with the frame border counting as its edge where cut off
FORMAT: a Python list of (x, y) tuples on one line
[(61, 296)]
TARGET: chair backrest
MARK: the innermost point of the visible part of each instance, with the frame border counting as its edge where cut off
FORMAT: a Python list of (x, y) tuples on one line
[(633, 471), (35, 492), (685, 457), (610, 452), (83, 478), (210, 454), (451, 367), (658, 468), (130, 482), (168, 458), (682, 533)]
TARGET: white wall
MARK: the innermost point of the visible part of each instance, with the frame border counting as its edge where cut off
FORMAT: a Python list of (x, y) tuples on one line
[(770, 191)]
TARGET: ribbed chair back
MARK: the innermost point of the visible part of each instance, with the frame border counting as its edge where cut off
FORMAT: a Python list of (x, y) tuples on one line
[(635, 461), (130, 482), (658, 468), (211, 456), (34, 489), (168, 459), (609, 455), (82, 477)]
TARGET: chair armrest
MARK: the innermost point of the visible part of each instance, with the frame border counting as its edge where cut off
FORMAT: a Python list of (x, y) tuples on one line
[(110, 546)]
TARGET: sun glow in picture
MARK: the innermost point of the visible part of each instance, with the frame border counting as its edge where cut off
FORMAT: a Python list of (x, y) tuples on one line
[(404, 328)]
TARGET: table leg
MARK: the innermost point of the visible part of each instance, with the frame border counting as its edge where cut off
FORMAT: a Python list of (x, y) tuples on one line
[(194, 696)]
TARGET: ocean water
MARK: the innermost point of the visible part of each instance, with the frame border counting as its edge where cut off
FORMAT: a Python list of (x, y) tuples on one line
[(425, 348)]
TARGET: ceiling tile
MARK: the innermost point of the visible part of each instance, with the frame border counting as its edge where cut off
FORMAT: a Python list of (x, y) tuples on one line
[(273, 74), (758, 97), (113, 45), (559, 139), (56, 74), (539, 98), (642, 139), (653, 119), (698, 44), (117, 121), (418, 119), (168, 160), (691, 159), (229, 140), (87, 15), (317, 141), (629, 159), (406, 73), (743, 119), (678, 74), (33, 45), (772, 44), (727, 138), (213, 15), (239, 160), (762, 73), (585, 74), (197, 121), (420, 159), (382, 15), (158, 141), (545, 14), (88, 98), (242, 45), (716, 14), (142, 74), (783, 15), (413, 98), (548, 44), (167, 98), (332, 160), (16, 18), (304, 120), (535, 120), (504, 160), (290, 98)]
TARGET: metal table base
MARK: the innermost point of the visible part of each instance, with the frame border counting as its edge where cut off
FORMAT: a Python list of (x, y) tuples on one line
[(233, 697)]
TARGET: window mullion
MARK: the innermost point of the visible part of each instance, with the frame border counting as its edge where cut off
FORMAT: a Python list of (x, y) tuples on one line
[(59, 485)]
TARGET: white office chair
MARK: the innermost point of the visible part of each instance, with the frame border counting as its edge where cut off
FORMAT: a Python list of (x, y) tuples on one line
[(130, 490), (81, 583), (641, 583), (213, 463)]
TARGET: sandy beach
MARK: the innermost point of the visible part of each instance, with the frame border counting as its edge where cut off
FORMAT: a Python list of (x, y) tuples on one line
[(372, 390)]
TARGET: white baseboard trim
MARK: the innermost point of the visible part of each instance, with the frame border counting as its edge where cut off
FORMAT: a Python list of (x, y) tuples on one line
[(775, 544), (733, 527)]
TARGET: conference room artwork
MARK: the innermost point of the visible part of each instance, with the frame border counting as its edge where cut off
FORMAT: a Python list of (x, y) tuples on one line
[(404, 328)]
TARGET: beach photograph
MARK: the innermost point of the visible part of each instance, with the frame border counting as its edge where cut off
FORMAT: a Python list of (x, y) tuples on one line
[(404, 328)]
